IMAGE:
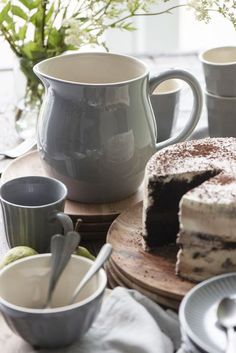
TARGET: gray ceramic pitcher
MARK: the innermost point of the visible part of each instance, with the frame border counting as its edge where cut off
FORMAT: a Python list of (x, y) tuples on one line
[(96, 128)]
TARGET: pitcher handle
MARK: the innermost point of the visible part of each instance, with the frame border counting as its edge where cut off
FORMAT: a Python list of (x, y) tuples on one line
[(197, 102)]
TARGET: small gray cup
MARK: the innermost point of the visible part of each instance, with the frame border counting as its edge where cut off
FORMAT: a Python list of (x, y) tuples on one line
[(221, 113), (165, 105), (33, 211), (219, 66)]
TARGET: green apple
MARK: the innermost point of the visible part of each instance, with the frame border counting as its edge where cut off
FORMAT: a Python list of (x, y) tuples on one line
[(16, 253), (84, 252)]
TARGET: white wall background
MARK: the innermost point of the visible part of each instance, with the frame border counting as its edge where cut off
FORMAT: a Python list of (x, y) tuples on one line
[(6, 56), (179, 31), (196, 36), (155, 34)]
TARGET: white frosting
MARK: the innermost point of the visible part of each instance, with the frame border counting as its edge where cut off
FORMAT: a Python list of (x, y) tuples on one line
[(206, 265), (210, 209), (191, 157), (213, 193), (184, 176)]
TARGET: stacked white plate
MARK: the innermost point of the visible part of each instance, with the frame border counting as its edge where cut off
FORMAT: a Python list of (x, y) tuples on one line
[(200, 329)]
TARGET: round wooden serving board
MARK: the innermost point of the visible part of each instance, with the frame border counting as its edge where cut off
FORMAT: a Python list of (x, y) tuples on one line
[(130, 265), (115, 278), (31, 164)]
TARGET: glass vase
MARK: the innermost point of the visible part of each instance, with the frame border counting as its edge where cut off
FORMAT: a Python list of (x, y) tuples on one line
[(26, 118), (28, 98)]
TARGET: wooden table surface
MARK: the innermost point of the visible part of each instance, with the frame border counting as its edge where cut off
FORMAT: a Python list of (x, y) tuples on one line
[(10, 138)]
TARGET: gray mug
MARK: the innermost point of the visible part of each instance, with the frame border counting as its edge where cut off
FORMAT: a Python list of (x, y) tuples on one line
[(219, 66), (165, 105), (33, 211), (221, 114)]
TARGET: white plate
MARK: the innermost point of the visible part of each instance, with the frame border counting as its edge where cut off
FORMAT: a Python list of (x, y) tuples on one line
[(198, 312), (189, 346)]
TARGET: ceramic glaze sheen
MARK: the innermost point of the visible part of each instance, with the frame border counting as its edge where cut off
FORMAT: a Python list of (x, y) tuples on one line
[(97, 129)]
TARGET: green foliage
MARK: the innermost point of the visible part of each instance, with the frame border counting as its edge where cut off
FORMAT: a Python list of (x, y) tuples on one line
[(40, 29), (35, 31), (204, 8)]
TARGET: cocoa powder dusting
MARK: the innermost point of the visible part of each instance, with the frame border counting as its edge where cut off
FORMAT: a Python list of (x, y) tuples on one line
[(223, 179), (195, 152)]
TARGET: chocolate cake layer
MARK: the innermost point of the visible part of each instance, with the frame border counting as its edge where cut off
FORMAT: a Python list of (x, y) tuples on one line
[(205, 241), (161, 223)]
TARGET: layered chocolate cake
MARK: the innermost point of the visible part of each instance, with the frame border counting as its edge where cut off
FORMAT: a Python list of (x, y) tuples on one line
[(190, 190)]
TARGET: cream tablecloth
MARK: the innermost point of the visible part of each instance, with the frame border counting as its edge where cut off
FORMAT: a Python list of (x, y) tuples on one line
[(127, 323)]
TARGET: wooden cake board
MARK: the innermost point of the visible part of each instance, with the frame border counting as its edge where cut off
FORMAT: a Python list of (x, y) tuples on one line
[(151, 273), (116, 279)]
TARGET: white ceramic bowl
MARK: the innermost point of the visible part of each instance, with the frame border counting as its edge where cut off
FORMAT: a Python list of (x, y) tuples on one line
[(23, 291)]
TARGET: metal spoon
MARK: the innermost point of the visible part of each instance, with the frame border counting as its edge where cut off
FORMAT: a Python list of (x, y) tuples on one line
[(102, 256), (226, 314), (62, 246), (20, 149)]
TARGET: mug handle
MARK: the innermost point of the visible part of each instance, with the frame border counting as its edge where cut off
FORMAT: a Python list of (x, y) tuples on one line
[(197, 102), (65, 221)]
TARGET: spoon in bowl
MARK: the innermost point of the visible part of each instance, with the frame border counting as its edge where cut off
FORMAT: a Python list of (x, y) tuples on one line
[(102, 257), (226, 314), (62, 246)]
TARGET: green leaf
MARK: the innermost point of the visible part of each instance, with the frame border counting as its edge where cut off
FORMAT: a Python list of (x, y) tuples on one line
[(38, 54), (37, 19), (17, 11), (15, 36), (50, 13), (33, 18), (4, 12), (34, 52), (30, 4), (83, 19), (9, 21), (128, 26), (133, 6), (22, 32), (55, 38), (28, 48)]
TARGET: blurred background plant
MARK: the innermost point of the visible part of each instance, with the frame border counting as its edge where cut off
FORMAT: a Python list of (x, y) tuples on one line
[(40, 29)]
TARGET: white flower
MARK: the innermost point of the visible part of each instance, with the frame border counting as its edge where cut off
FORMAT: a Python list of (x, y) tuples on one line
[(74, 40)]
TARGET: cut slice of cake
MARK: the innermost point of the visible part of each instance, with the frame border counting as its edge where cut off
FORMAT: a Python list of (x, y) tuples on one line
[(207, 236)]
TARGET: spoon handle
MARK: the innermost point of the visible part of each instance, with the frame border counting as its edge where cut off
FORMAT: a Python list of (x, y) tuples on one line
[(62, 248), (231, 345), (103, 255), (71, 241), (57, 243)]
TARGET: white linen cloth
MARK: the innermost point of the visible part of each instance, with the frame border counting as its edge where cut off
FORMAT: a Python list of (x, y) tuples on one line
[(128, 322)]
